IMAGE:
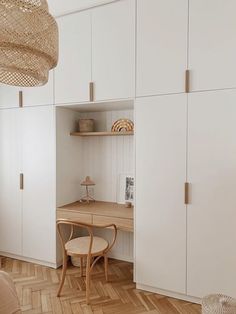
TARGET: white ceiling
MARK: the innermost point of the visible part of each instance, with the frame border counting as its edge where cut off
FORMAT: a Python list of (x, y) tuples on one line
[(59, 7)]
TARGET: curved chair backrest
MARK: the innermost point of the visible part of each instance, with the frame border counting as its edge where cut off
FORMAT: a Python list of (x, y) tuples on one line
[(88, 227), (73, 225)]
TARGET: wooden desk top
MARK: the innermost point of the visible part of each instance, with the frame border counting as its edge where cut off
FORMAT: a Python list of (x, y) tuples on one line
[(100, 209), (98, 213)]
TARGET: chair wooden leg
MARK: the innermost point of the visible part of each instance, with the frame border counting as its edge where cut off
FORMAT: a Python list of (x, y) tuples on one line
[(81, 266), (63, 275), (106, 267), (88, 267)]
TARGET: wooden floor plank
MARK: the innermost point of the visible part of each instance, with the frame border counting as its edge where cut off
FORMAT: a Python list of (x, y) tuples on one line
[(37, 286)]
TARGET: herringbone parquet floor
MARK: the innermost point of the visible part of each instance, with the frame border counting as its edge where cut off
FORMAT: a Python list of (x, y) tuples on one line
[(36, 286)]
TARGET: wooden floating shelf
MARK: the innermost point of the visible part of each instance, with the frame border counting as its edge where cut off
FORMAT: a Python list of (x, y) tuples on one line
[(102, 133)]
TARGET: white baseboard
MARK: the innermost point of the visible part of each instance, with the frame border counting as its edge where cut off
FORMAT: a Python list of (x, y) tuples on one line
[(169, 293), (121, 257), (30, 260), (59, 263)]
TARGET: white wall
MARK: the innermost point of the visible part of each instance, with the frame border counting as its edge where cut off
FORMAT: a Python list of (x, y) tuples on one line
[(105, 158), (124, 246), (69, 159)]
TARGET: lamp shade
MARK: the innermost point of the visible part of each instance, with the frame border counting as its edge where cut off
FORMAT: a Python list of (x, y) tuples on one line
[(28, 42), (88, 182)]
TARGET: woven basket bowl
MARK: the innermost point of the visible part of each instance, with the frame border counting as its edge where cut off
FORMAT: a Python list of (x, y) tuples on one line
[(86, 125), (218, 304)]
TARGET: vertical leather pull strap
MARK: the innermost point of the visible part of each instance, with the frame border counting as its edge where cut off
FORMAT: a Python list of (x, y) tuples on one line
[(187, 81), (20, 99), (186, 193), (21, 181), (91, 91)]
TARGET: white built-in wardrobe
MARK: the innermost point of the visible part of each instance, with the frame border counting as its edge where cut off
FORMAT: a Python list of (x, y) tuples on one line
[(184, 100), (93, 48), (186, 147), (27, 181)]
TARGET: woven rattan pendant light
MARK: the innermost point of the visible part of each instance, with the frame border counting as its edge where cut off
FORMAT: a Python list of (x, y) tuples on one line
[(28, 42)]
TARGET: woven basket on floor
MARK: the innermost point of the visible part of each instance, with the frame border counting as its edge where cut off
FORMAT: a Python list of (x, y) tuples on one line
[(218, 304), (28, 42), (76, 261)]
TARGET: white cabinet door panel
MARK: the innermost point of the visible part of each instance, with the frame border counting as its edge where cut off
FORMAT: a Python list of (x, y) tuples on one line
[(162, 27), (113, 51), (38, 138), (73, 73), (212, 44), (160, 237), (10, 194), (9, 96), (212, 210), (36, 96)]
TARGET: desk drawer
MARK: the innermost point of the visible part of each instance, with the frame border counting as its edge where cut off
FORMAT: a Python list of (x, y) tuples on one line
[(122, 224), (66, 214)]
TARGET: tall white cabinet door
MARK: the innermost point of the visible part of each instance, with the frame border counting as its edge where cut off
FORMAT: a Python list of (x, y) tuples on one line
[(38, 138), (73, 73), (113, 51), (212, 210), (9, 96), (10, 194), (212, 44), (43, 95), (160, 236), (161, 46)]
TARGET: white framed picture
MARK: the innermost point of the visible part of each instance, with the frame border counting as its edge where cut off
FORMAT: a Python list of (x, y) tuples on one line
[(125, 188)]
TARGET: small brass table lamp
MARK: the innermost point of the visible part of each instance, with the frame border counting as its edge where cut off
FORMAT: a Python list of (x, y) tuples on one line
[(87, 183)]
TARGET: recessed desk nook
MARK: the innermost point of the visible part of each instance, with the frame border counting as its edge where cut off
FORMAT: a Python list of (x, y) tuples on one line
[(99, 213), (93, 143)]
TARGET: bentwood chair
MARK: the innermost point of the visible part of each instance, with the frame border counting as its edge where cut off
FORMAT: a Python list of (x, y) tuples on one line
[(90, 247)]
